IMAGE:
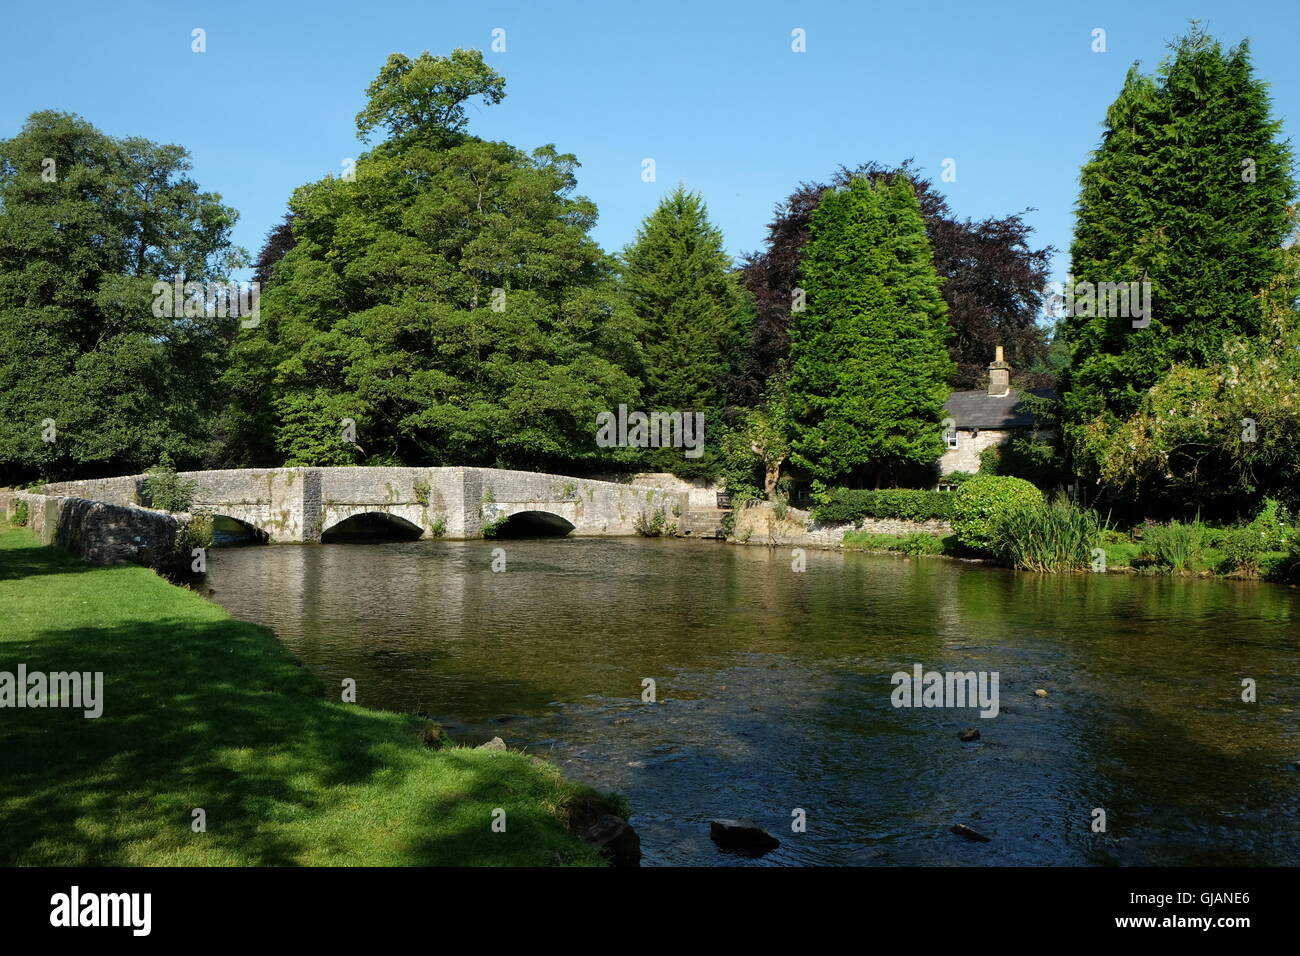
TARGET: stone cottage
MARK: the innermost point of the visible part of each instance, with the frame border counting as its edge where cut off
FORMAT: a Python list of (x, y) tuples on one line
[(977, 420)]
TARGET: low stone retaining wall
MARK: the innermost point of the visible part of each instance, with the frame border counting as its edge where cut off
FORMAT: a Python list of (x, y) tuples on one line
[(900, 526), (758, 524), (106, 534)]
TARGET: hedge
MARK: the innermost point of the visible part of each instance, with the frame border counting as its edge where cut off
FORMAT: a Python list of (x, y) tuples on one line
[(909, 504), (980, 506)]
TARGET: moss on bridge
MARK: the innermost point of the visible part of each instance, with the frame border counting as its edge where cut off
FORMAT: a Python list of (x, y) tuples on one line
[(203, 711)]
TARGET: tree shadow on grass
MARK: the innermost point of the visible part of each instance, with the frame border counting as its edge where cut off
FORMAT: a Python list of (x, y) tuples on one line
[(214, 715), (24, 562)]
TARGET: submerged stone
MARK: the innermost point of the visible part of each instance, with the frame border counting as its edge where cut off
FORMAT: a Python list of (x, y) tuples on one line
[(964, 831)]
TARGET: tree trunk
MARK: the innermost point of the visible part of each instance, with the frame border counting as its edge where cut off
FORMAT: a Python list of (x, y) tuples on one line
[(771, 475)]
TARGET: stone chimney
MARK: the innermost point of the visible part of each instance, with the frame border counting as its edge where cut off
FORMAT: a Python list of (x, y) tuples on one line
[(999, 375)]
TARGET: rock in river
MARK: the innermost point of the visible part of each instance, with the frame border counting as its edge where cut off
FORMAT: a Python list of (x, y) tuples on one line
[(964, 831), (742, 835), (615, 839)]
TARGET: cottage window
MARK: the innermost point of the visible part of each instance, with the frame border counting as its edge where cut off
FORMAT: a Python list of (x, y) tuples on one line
[(950, 438)]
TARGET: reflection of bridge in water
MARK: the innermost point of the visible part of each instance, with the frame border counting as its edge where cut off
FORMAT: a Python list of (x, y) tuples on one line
[(314, 504)]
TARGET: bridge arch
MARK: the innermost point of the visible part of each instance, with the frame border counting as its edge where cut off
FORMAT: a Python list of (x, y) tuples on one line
[(228, 531), (371, 526), (531, 523)]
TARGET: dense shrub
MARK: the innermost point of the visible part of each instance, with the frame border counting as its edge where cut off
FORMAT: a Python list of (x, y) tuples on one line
[(198, 533), (164, 490), (991, 460), (1272, 526), (19, 517), (980, 505), (909, 504), (1120, 554), (1286, 569), (1029, 456), (1260, 547), (1242, 548)]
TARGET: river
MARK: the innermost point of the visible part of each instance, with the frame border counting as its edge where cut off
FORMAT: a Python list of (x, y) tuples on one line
[(774, 693)]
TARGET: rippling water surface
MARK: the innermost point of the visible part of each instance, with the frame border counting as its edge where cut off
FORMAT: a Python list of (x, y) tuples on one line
[(774, 691)]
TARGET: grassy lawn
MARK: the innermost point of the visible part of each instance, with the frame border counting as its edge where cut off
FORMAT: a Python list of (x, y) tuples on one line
[(201, 710)]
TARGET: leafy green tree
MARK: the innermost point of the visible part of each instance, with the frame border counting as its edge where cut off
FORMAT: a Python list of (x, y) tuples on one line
[(689, 309), (88, 224), (869, 364), (426, 96), (449, 300), (757, 448), (1218, 439), (768, 430), (1188, 191)]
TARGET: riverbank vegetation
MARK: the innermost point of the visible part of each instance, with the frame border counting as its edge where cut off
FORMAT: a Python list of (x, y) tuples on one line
[(204, 712), (1016, 526)]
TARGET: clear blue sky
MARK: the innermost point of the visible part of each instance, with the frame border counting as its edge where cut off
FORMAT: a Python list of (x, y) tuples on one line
[(710, 90)]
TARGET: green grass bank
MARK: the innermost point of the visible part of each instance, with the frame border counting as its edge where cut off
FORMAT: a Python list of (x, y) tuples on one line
[(204, 711)]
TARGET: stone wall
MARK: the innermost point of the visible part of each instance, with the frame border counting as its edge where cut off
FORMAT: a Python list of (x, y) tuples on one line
[(269, 499), (900, 526), (106, 534), (966, 456), (701, 493), (758, 524), (113, 491)]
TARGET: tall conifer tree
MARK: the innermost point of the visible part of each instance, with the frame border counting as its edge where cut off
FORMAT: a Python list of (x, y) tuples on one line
[(679, 281), (869, 363), (1189, 191)]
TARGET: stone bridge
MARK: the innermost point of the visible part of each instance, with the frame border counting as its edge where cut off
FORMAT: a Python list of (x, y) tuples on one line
[(304, 504)]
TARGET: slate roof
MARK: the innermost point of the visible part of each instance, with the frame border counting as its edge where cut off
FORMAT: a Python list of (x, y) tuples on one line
[(979, 409)]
